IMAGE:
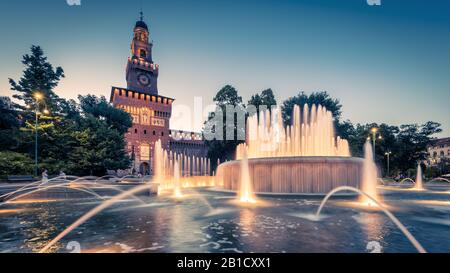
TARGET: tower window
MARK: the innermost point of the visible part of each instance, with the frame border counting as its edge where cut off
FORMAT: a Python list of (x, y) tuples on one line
[(143, 53), (162, 133), (135, 131), (145, 132), (154, 133)]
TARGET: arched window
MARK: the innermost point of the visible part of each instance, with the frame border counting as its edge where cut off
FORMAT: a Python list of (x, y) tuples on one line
[(143, 53)]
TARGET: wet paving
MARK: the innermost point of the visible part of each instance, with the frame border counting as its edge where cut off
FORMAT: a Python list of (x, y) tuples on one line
[(276, 224)]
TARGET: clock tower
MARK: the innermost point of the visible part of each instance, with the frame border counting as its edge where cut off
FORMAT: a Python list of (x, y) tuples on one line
[(142, 72), (150, 111)]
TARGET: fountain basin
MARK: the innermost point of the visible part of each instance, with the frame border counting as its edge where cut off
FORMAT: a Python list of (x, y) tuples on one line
[(302, 175)]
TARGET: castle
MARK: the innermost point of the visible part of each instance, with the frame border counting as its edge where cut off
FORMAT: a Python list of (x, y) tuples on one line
[(150, 111)]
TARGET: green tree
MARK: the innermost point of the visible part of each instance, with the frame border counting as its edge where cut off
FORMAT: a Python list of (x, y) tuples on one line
[(38, 76), (91, 142), (412, 141), (266, 98), (9, 124), (15, 163), (224, 149), (100, 108), (80, 138), (9, 117), (317, 98), (406, 143), (97, 148), (228, 95)]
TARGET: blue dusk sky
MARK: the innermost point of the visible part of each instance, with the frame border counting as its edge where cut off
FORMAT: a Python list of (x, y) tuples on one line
[(387, 63)]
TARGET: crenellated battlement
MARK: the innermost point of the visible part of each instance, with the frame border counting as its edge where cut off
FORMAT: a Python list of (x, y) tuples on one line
[(117, 92), (178, 135), (135, 63)]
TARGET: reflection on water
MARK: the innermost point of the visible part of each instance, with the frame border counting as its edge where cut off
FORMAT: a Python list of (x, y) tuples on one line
[(188, 225), (33, 201), (374, 224), (181, 234), (14, 211), (40, 231)]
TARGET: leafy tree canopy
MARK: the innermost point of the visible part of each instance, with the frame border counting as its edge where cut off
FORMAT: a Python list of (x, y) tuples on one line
[(228, 95), (266, 98), (317, 98), (224, 149), (39, 76), (100, 108), (15, 163), (9, 117), (80, 138)]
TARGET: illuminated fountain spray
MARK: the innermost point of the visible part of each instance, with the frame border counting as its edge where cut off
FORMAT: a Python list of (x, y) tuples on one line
[(310, 134), (191, 171), (161, 174), (284, 156), (370, 176), (419, 179), (246, 193), (176, 180)]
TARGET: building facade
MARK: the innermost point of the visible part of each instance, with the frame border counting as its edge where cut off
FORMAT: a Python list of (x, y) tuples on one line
[(150, 111), (439, 151)]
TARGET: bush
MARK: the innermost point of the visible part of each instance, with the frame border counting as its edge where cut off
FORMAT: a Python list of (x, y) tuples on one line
[(12, 163)]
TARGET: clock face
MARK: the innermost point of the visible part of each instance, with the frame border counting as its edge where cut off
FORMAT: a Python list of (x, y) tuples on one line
[(144, 79)]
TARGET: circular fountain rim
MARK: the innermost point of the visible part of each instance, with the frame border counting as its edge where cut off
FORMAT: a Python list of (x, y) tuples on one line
[(279, 194), (287, 159)]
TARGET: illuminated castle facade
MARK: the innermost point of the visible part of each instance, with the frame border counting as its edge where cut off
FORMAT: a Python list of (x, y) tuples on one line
[(150, 111)]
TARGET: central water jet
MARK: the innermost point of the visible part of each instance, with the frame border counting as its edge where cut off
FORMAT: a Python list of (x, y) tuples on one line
[(419, 179)]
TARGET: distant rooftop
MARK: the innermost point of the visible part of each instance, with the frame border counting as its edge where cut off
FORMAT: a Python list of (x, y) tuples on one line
[(441, 142)]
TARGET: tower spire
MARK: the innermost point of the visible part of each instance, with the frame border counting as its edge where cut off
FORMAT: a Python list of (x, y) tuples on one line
[(141, 13)]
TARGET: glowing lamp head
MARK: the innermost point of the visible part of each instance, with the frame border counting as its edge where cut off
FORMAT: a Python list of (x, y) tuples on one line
[(38, 96), (374, 130), (46, 111)]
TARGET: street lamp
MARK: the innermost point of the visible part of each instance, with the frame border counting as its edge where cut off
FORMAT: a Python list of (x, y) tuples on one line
[(388, 154), (374, 132), (38, 97)]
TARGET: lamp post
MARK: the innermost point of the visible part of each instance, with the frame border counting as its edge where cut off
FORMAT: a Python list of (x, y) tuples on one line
[(37, 97), (388, 154), (374, 132)]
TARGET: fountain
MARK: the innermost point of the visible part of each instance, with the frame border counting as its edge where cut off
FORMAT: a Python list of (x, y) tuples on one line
[(54, 186), (176, 180), (370, 175), (305, 157), (174, 171), (419, 179), (376, 203), (246, 194)]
